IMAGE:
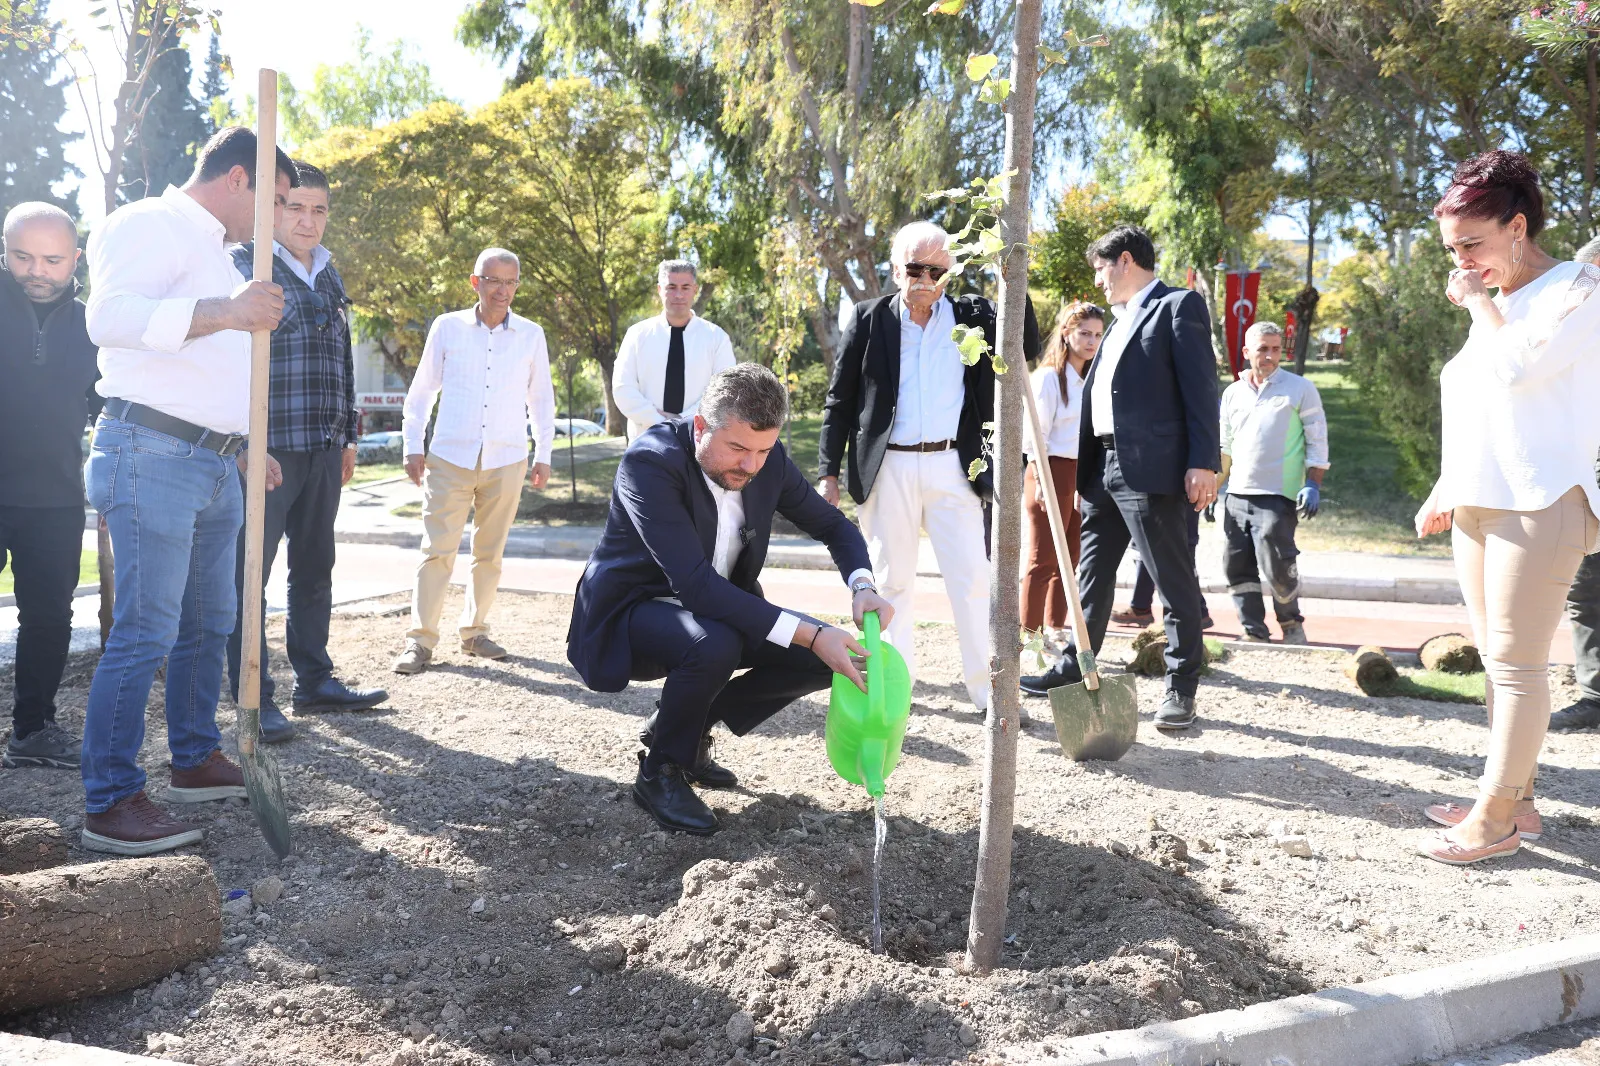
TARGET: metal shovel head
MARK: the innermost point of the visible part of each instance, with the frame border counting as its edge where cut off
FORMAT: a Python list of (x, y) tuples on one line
[(1099, 723), (263, 782)]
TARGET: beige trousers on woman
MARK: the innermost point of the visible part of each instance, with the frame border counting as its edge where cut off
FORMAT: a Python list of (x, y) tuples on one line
[(1515, 568)]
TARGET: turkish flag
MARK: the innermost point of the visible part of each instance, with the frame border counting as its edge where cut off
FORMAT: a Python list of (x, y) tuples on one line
[(1240, 293)]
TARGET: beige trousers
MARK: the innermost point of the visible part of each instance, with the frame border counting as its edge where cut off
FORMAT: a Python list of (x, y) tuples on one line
[(448, 493), (1515, 568)]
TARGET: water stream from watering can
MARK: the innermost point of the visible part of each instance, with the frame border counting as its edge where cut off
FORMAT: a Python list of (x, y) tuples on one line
[(880, 833)]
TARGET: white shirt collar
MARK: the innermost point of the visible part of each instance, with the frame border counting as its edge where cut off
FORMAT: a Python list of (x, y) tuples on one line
[(1133, 305), (1250, 378), (190, 208), (939, 306), (510, 322)]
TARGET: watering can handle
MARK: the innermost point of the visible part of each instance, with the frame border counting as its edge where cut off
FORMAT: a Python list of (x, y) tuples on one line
[(879, 715)]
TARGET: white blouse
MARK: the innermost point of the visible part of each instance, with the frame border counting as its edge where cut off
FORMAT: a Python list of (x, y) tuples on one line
[(1058, 415), (1520, 402)]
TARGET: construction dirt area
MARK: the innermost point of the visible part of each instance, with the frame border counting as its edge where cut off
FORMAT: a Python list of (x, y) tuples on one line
[(472, 882)]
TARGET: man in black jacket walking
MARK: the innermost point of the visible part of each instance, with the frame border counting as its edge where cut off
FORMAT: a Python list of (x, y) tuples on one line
[(904, 419), (47, 376), (1149, 451)]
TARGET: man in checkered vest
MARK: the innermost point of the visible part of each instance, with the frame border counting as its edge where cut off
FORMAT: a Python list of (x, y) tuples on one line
[(311, 430)]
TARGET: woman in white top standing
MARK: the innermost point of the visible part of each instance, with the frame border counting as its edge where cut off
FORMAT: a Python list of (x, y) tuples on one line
[(1058, 387), (1517, 478)]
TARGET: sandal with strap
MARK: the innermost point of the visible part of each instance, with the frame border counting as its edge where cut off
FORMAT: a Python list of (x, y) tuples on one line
[(1529, 826), (1440, 848)]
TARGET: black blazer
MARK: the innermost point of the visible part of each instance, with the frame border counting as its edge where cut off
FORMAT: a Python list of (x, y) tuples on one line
[(1163, 399), (865, 390), (659, 538)]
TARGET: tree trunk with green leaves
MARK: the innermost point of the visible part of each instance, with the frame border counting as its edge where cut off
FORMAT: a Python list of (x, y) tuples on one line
[(992, 884)]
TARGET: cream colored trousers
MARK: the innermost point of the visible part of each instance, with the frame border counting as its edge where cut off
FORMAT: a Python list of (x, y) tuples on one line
[(1515, 568), (448, 493)]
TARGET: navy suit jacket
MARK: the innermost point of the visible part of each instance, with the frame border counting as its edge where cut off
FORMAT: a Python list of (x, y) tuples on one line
[(1163, 399), (659, 538)]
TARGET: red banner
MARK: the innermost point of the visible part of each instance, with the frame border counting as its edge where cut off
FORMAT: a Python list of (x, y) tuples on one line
[(1290, 320), (1239, 302)]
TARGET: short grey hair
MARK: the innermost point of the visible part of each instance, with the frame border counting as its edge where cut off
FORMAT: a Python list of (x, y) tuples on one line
[(1589, 253), (37, 211), (914, 235), (496, 255), (748, 392), (1253, 335), (668, 267)]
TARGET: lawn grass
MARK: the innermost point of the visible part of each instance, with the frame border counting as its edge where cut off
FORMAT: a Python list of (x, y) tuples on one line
[(88, 574), (1439, 686), (370, 472), (1363, 506)]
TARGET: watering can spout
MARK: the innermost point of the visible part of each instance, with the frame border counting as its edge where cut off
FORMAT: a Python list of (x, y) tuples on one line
[(874, 760)]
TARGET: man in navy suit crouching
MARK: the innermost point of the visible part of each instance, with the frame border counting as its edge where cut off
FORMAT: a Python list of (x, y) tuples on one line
[(670, 591)]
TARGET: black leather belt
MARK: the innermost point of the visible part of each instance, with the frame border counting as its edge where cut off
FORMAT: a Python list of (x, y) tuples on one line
[(1108, 442), (150, 418), (925, 446)]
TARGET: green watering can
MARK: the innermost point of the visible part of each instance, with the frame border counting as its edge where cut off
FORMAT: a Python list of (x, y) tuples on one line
[(865, 729)]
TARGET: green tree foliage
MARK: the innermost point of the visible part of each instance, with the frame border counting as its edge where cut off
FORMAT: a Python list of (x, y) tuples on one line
[(214, 88), (32, 103), (1402, 332), (555, 171), (1060, 265), (369, 90), (174, 124)]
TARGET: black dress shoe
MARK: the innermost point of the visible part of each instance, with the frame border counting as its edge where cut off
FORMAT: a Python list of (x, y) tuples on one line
[(1064, 672), (1176, 711), (275, 728), (335, 695), (706, 771), (1585, 714), (668, 799)]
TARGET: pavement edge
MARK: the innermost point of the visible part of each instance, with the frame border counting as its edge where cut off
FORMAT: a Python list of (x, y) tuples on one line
[(1394, 1021), (31, 1051)]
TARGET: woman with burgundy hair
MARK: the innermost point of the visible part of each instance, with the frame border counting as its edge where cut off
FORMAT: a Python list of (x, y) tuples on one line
[(1517, 484)]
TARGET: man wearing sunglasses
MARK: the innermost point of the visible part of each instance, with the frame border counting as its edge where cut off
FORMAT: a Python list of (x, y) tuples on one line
[(311, 430), (904, 419)]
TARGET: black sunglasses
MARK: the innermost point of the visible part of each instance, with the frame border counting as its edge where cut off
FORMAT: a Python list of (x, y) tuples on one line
[(323, 314), (916, 270)]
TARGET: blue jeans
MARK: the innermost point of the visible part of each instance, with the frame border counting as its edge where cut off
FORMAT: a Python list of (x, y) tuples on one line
[(174, 512)]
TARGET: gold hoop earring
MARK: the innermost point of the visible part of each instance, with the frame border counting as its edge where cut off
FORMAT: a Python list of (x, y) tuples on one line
[(1516, 252)]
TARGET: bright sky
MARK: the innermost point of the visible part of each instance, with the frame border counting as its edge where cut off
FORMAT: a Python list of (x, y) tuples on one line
[(295, 36)]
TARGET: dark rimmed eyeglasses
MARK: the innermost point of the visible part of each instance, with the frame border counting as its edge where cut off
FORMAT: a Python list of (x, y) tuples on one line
[(917, 270)]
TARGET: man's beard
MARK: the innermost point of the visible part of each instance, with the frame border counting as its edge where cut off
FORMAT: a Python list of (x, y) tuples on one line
[(43, 290), (720, 478)]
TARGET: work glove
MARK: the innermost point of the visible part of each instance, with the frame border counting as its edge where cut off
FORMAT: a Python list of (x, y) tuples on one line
[(1309, 499)]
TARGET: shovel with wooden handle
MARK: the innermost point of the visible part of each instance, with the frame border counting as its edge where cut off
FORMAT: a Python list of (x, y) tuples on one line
[(1098, 717), (262, 780)]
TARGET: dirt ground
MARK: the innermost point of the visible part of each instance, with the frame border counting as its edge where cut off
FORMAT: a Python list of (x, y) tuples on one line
[(472, 882)]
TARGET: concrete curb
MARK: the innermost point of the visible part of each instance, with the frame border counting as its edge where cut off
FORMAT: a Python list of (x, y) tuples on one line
[(10, 598), (1395, 1021), (576, 542), (31, 1051)]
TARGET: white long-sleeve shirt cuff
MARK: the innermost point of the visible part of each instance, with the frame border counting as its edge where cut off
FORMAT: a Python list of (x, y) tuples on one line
[(863, 572), (169, 324), (782, 633)]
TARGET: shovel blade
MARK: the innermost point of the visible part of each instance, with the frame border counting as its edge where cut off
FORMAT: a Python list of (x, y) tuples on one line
[(263, 782), (1096, 724)]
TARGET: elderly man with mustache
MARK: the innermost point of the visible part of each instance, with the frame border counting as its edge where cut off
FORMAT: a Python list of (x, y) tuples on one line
[(904, 419)]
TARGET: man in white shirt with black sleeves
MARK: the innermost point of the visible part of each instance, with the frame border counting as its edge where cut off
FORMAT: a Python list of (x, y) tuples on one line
[(489, 369), (173, 318), (665, 362)]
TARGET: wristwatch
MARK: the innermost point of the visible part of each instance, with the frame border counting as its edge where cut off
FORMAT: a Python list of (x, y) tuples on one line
[(862, 584)]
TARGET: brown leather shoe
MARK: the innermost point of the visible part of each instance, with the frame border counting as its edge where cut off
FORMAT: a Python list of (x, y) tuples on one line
[(1130, 616), (136, 826), (215, 779)]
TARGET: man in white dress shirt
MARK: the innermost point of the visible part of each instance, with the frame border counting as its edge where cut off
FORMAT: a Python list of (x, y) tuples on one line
[(910, 415), (489, 369), (172, 317), (665, 362)]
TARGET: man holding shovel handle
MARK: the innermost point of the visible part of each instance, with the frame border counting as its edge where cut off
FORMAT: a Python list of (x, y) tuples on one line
[(173, 319)]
